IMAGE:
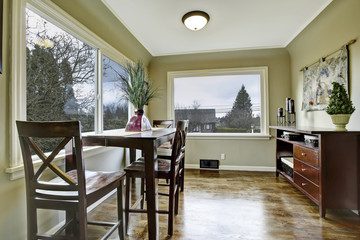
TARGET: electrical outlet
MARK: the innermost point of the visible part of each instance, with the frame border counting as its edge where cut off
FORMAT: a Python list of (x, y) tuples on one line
[(222, 156)]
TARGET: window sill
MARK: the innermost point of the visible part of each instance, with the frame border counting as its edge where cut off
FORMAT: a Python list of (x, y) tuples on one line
[(17, 172), (227, 136)]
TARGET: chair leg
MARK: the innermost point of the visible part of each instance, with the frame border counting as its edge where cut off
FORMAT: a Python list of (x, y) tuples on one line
[(177, 197), (171, 207), (142, 203), (71, 216), (82, 233), (182, 174), (120, 207), (31, 222), (127, 202)]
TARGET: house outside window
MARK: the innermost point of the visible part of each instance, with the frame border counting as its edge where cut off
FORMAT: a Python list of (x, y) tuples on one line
[(220, 102)]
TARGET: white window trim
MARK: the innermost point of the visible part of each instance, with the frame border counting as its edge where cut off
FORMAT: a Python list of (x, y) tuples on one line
[(263, 71), (48, 10)]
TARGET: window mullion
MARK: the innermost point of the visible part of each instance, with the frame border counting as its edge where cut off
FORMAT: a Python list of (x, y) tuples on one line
[(18, 84), (99, 96)]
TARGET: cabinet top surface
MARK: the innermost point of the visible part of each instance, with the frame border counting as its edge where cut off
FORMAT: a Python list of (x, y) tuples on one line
[(313, 130)]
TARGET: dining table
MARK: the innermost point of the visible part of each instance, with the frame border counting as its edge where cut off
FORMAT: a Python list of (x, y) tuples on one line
[(148, 142)]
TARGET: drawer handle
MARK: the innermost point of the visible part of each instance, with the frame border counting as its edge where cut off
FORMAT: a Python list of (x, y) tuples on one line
[(303, 154), (303, 184), (303, 169)]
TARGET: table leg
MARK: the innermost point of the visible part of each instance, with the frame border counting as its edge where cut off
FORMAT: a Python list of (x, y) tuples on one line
[(132, 155), (151, 189)]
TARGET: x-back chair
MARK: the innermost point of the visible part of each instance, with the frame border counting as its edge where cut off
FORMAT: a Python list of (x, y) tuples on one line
[(72, 190)]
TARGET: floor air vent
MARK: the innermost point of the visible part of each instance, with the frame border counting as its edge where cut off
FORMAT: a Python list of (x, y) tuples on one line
[(207, 163)]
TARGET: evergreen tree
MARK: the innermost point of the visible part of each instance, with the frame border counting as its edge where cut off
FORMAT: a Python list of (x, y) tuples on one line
[(240, 115), (44, 101)]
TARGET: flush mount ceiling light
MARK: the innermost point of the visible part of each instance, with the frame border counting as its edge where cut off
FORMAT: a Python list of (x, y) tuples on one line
[(195, 20)]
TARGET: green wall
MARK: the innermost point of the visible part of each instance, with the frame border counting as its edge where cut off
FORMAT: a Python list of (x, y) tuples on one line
[(240, 154), (334, 27)]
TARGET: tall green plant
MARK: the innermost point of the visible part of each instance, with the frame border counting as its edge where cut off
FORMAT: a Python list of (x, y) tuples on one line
[(136, 86), (340, 102)]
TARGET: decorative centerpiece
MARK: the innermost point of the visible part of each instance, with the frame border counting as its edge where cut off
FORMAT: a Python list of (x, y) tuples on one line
[(137, 90), (340, 106)]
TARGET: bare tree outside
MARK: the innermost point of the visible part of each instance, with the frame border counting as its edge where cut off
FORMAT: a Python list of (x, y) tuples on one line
[(60, 74)]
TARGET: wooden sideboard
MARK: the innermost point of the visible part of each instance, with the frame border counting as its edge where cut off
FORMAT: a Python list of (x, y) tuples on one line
[(328, 174)]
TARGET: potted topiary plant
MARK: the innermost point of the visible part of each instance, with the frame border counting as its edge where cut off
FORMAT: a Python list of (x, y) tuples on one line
[(340, 106), (137, 90)]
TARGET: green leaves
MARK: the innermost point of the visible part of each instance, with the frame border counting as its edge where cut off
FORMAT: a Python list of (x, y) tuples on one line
[(339, 101), (135, 85)]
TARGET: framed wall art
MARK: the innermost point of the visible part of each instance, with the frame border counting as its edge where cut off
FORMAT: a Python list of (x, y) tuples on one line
[(318, 78)]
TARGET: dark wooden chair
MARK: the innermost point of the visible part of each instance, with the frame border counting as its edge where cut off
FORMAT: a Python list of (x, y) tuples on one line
[(168, 169), (164, 124), (165, 153), (71, 190)]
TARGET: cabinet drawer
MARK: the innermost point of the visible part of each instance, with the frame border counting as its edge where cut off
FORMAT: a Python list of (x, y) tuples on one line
[(307, 186), (307, 171), (307, 155)]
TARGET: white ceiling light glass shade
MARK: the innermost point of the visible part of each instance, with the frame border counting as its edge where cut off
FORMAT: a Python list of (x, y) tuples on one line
[(195, 20)]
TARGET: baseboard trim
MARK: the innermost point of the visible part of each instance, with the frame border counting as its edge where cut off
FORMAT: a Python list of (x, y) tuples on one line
[(235, 168)]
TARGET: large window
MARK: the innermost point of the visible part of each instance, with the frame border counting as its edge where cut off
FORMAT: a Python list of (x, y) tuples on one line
[(61, 71), (61, 80), (231, 101), (60, 74)]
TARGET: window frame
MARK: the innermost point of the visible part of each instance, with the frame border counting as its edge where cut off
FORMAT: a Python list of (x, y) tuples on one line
[(51, 12), (264, 112)]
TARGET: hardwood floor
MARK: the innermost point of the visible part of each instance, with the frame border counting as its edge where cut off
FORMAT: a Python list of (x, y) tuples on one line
[(240, 205)]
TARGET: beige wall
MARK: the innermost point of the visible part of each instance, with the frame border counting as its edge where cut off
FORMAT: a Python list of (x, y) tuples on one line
[(98, 19), (239, 153), (334, 27), (12, 200)]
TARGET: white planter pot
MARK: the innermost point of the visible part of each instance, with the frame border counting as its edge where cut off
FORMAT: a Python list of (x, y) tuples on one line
[(340, 121)]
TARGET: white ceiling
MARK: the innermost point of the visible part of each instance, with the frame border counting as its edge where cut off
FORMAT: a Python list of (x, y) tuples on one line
[(233, 25)]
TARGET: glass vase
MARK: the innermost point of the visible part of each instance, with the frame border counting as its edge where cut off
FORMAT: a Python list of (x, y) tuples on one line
[(139, 122)]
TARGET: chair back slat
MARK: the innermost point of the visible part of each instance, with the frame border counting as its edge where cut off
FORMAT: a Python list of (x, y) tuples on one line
[(163, 123), (55, 186), (53, 196), (180, 157), (47, 161), (67, 132), (49, 129)]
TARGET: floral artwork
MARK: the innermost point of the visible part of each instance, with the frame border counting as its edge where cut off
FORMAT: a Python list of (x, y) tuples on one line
[(318, 80)]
